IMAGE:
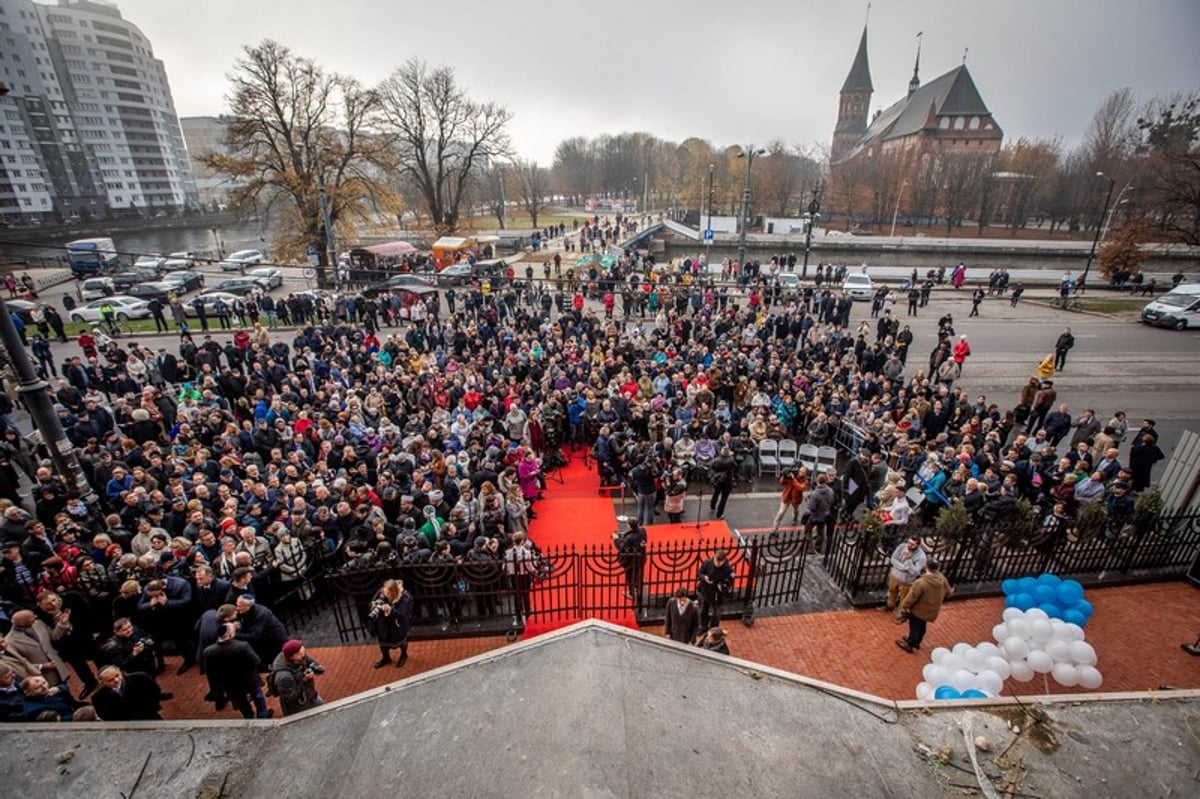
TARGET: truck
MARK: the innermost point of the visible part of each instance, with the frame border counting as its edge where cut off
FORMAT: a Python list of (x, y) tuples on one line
[(90, 257)]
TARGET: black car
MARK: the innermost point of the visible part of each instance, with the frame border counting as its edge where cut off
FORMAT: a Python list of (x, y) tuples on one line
[(149, 291), (241, 286), (456, 275), (188, 279), (395, 282)]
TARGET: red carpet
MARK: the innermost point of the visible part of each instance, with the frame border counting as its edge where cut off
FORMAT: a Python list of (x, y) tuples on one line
[(574, 513)]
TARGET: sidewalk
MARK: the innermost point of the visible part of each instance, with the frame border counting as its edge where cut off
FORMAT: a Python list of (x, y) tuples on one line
[(1136, 632)]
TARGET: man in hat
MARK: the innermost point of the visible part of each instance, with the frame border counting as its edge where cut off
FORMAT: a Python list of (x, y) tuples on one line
[(293, 678), (260, 628)]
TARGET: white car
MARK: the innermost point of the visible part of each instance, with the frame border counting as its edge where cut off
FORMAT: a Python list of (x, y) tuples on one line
[(126, 308), (858, 287), (266, 276), (789, 282), (96, 287), (238, 261), (152, 262), (210, 302)]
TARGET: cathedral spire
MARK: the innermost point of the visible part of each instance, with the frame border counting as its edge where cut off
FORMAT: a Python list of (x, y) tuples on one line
[(914, 83), (859, 79)]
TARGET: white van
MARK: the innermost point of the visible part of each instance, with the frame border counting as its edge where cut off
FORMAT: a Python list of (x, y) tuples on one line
[(1178, 309)]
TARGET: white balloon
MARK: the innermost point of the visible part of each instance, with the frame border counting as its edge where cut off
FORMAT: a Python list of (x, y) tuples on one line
[(1089, 677), (1036, 614), (1012, 613), (1065, 674), (1075, 632), (975, 659), (990, 682), (1039, 661), (936, 675), (1082, 653), (962, 680), (925, 692), (1020, 628), (1040, 630), (1000, 632), (1021, 671), (1058, 625), (953, 663), (961, 649), (998, 664), (1060, 651), (1015, 648), (937, 655), (988, 649)]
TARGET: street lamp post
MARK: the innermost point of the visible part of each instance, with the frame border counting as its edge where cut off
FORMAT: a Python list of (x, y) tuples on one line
[(330, 242), (811, 220), (748, 154), (1100, 226), (896, 210), (708, 242)]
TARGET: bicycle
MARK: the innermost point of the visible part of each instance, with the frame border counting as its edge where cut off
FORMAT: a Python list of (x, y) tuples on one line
[(114, 328), (1068, 303)]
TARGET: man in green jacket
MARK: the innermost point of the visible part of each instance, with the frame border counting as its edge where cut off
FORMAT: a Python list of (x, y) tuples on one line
[(923, 603)]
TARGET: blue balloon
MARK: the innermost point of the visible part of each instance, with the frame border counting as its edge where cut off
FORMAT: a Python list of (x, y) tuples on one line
[(1009, 587), (1073, 616), (1010, 601), (1052, 580), (1025, 601), (1069, 593), (1045, 594), (946, 692), (1085, 607), (1053, 611), (974, 693), (1026, 585)]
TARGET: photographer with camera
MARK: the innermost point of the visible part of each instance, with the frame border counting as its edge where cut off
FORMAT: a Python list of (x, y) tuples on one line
[(713, 582), (794, 483), (390, 616), (293, 678)]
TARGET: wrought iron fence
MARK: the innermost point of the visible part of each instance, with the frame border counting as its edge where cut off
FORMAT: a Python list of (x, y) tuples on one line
[(1152, 548), (462, 598)]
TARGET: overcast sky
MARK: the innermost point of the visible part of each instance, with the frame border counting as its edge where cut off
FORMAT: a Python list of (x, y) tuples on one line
[(729, 72)]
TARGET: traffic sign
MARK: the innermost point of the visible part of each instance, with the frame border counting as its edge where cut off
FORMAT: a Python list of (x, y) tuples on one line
[(708, 235), (310, 273)]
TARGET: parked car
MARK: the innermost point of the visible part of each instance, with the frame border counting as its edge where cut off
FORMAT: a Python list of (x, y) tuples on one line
[(150, 263), (241, 286), (396, 282), (186, 279), (96, 287), (238, 261), (266, 276), (455, 275), (858, 286), (788, 281), (123, 280), (210, 300), (22, 309), (126, 307), (157, 290)]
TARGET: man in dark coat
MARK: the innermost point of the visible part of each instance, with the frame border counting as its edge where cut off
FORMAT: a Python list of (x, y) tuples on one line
[(714, 581), (232, 668), (683, 618), (260, 628), (631, 554), (127, 697)]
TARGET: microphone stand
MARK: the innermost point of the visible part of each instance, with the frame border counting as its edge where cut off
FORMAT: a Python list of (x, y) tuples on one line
[(699, 505)]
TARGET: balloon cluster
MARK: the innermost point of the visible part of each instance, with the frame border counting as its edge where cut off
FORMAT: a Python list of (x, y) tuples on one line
[(1041, 632), (1057, 598), (1033, 643)]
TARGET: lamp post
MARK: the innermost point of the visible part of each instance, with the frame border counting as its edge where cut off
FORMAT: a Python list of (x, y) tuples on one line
[(896, 211), (747, 153), (810, 220), (707, 242), (1112, 182), (330, 242)]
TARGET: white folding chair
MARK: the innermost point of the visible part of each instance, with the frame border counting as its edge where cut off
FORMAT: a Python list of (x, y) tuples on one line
[(826, 459), (787, 454), (808, 457), (768, 456)]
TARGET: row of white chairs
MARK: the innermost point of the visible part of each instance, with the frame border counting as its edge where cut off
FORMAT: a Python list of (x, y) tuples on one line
[(779, 456)]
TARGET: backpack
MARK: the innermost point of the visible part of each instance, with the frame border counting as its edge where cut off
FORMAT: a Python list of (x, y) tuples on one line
[(272, 688)]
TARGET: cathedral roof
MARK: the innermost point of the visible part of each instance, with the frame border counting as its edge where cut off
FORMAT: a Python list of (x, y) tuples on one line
[(859, 79)]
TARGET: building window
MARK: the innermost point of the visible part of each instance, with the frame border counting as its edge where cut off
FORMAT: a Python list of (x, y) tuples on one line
[(974, 123), (958, 123)]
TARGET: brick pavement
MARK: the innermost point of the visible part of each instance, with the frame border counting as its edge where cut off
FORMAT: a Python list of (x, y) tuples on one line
[(1136, 632)]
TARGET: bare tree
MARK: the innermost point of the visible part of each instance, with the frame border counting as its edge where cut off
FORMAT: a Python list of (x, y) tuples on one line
[(294, 126), (574, 168), (494, 189), (441, 137), (533, 184), (1112, 133), (962, 185), (1171, 179)]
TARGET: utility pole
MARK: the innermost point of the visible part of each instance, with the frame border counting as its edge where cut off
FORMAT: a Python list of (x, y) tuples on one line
[(812, 216), (708, 244), (1112, 182), (41, 410), (748, 154), (330, 243)]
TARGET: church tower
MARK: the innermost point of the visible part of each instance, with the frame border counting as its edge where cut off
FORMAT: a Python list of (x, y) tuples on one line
[(854, 104)]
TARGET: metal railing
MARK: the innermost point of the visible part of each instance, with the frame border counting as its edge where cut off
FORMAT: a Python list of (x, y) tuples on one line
[(1143, 550), (478, 598)]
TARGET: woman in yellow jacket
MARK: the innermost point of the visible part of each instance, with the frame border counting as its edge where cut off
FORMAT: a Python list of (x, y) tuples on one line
[(1045, 369)]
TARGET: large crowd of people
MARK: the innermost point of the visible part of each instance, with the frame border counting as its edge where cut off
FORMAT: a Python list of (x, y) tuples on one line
[(230, 470)]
